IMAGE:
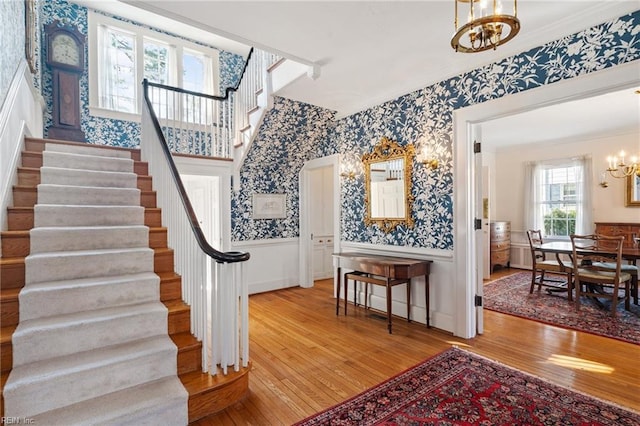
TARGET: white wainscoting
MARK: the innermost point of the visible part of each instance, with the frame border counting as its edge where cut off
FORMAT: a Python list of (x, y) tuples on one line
[(273, 264), (21, 115), (441, 293)]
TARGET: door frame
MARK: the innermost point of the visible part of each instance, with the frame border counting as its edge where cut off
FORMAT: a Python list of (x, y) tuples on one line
[(305, 249), (467, 255)]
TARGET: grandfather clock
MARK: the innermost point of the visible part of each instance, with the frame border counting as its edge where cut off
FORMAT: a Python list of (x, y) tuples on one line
[(65, 56)]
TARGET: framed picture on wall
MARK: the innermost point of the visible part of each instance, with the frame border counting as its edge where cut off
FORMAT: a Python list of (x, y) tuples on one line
[(269, 206), (30, 36)]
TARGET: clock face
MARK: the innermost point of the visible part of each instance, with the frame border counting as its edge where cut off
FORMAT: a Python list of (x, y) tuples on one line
[(64, 50)]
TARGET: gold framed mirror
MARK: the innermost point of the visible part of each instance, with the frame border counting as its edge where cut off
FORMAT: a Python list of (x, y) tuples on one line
[(388, 172), (633, 190)]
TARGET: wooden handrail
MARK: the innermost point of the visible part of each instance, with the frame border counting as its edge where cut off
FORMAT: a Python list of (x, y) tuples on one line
[(218, 256), (227, 91)]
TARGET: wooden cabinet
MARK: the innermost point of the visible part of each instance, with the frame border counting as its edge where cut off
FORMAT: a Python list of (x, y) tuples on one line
[(322, 257), (628, 230), (500, 234)]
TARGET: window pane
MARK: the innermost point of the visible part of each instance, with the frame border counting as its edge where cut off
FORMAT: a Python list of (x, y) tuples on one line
[(194, 67), (119, 72), (558, 204), (156, 62)]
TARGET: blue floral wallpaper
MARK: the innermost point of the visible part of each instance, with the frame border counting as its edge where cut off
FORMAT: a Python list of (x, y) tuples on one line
[(12, 21), (291, 134), (100, 130), (423, 113), (12, 40)]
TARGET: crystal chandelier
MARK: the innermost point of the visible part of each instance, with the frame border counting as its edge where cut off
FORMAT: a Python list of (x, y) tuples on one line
[(487, 26), (619, 169)]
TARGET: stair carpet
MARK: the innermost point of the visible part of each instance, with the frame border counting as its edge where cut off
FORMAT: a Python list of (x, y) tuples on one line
[(92, 344)]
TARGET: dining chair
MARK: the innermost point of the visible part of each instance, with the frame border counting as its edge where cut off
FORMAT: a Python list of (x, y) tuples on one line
[(542, 266), (589, 254)]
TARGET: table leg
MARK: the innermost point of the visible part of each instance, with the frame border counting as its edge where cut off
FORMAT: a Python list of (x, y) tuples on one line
[(426, 293), (409, 300), (389, 305), (338, 290), (346, 292)]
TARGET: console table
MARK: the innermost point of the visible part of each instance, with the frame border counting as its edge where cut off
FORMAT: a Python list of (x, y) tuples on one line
[(382, 270)]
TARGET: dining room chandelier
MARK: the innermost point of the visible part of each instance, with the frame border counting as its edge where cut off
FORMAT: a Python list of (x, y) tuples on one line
[(619, 169), (487, 25)]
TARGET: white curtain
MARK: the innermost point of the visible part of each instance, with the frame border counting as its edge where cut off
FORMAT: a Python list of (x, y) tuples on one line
[(532, 196), (584, 203), (105, 68)]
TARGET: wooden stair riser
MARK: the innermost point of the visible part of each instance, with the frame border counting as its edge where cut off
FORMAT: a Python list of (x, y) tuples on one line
[(12, 273), (6, 355), (10, 310), (216, 398), (163, 260), (170, 286), (30, 177), (179, 320), (24, 196), (15, 243)]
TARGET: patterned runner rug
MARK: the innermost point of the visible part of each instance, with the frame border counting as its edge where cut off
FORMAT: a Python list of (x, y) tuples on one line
[(457, 387), (510, 295)]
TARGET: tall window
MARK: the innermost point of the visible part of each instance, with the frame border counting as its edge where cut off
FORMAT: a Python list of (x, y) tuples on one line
[(121, 55), (558, 197)]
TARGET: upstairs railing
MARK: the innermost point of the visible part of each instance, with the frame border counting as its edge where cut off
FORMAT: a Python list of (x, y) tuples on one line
[(207, 125), (252, 84), (213, 282)]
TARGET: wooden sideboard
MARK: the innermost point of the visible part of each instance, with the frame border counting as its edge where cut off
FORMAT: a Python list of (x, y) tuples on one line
[(500, 235), (628, 230)]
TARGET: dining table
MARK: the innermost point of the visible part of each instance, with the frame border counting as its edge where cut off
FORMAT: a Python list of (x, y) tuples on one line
[(630, 254)]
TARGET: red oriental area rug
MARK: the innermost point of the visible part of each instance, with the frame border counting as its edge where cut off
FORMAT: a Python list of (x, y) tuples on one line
[(457, 387), (510, 295)]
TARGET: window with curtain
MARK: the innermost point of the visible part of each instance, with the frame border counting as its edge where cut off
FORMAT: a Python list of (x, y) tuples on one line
[(558, 197), (125, 54)]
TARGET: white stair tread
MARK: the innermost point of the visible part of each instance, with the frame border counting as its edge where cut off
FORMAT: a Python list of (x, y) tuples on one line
[(63, 297), (161, 402), (88, 150), (71, 238), (86, 317), (62, 176), (62, 255), (86, 215), (49, 368), (86, 162)]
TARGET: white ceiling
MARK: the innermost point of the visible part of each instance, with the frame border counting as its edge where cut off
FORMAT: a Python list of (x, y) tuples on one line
[(598, 116), (369, 52)]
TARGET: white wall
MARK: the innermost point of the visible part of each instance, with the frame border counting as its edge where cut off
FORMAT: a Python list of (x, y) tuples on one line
[(273, 264), (608, 203)]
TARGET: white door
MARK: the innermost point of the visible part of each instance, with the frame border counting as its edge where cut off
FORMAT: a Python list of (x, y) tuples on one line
[(204, 193), (479, 232), (331, 213), (486, 214)]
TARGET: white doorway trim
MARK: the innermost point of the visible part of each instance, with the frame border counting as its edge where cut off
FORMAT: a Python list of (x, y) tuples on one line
[(305, 241), (467, 257)]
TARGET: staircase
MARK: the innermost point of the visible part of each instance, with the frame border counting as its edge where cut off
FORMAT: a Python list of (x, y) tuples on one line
[(270, 74), (94, 329)]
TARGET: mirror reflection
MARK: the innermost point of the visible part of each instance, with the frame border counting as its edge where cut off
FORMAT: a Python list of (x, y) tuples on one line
[(388, 198), (633, 190), (387, 189)]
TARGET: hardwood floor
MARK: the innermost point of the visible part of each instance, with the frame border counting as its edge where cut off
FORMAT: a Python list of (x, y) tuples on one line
[(305, 358)]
